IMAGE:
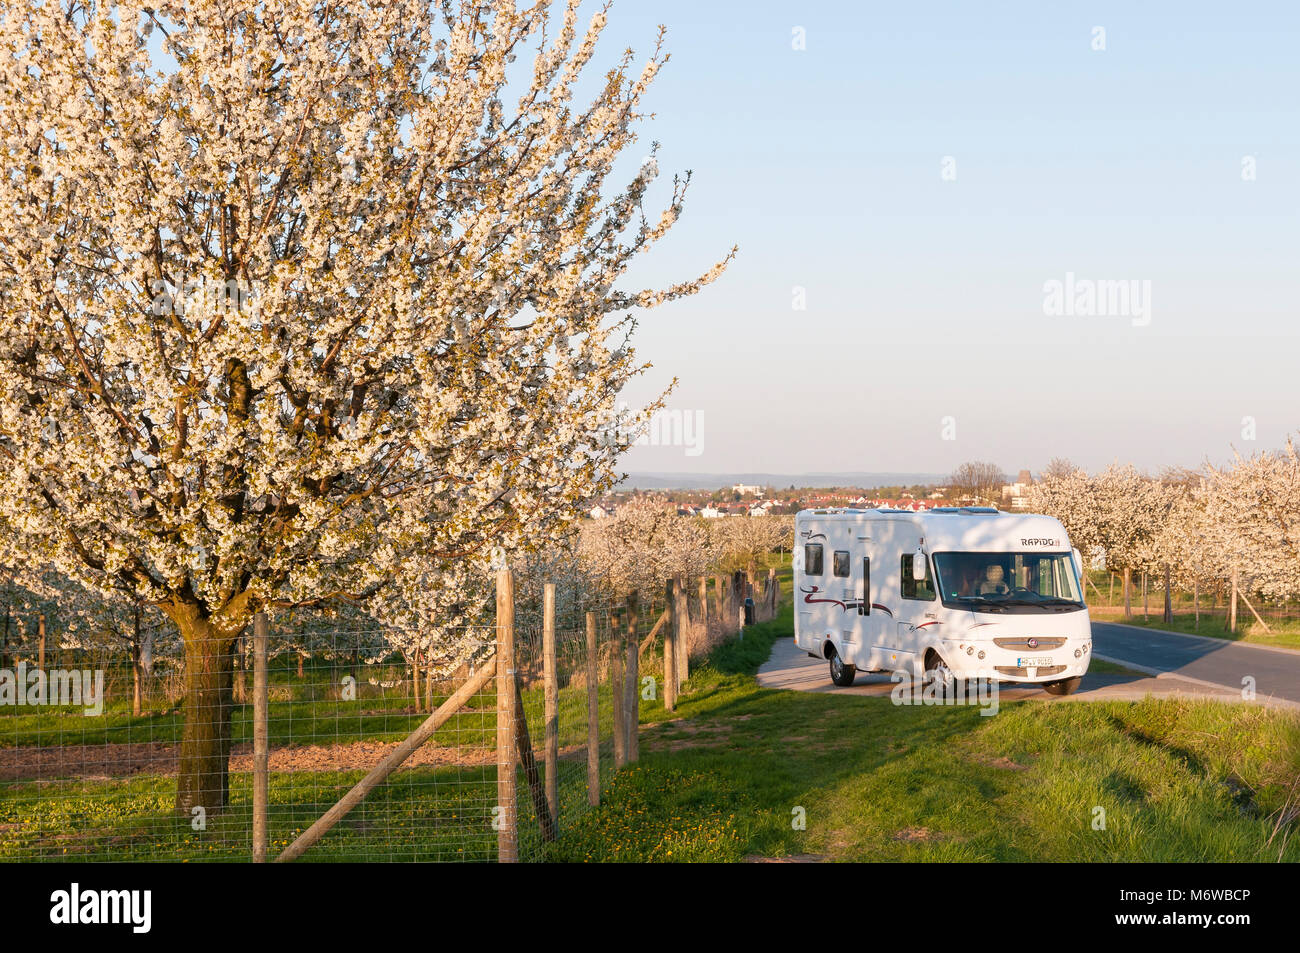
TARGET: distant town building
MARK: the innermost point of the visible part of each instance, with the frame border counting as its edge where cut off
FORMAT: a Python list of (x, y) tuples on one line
[(1015, 496)]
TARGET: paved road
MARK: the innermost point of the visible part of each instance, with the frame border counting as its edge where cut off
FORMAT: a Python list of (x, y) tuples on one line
[(791, 668), (1182, 665), (1194, 657)]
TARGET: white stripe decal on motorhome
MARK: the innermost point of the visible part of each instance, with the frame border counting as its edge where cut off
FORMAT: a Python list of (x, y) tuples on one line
[(846, 606)]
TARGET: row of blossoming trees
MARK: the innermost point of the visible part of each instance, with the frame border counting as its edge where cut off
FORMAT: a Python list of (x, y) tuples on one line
[(646, 542), (1236, 526), (305, 303)]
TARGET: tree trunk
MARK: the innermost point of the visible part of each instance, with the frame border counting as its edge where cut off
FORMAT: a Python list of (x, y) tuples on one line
[(146, 655), (203, 780), (1196, 602), (415, 680), (1232, 605), (4, 645), (1169, 605), (1128, 593), (241, 673), (137, 707)]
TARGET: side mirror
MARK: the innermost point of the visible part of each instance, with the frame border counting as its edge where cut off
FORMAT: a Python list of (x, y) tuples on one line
[(1078, 561), (918, 566)]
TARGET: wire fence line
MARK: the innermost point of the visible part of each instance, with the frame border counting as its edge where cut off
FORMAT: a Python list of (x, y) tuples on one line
[(351, 750)]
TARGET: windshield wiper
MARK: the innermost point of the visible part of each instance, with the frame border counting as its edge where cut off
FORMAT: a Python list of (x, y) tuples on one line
[(1043, 601), (982, 602)]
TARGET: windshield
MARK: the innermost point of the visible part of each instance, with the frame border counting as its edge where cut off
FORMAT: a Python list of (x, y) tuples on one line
[(1008, 582)]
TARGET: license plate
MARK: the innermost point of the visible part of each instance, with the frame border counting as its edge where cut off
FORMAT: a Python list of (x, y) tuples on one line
[(1037, 661)]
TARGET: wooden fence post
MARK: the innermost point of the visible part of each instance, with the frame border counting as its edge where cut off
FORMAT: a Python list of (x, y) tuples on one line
[(738, 594), (670, 650), (751, 590), (551, 687), (261, 739), (616, 659), (1258, 617), (682, 623), (704, 605), (507, 811), (593, 714), (720, 602), (633, 682), (663, 620)]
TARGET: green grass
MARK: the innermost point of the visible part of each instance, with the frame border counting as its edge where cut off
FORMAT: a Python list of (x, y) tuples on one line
[(425, 814), (420, 813), (317, 715), (1178, 780), (726, 776), (288, 723)]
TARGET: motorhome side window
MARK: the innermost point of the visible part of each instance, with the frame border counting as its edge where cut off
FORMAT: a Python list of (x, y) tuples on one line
[(840, 563), (812, 559), (913, 589)]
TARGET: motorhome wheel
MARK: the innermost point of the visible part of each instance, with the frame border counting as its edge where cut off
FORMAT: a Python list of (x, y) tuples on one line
[(1066, 686), (842, 674)]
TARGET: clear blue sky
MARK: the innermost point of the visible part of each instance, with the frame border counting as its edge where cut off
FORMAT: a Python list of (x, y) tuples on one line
[(925, 296)]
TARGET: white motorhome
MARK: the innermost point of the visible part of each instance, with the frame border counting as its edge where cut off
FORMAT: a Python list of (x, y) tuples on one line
[(960, 592)]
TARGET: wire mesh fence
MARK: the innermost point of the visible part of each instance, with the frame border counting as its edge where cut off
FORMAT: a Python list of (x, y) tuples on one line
[(99, 782), (96, 757)]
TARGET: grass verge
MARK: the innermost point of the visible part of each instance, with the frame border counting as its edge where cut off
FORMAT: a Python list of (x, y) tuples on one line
[(737, 769)]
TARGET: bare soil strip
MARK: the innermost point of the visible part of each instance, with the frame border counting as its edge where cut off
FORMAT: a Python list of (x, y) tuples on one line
[(90, 762)]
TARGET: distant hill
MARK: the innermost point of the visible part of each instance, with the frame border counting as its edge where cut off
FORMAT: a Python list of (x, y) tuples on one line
[(713, 481)]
